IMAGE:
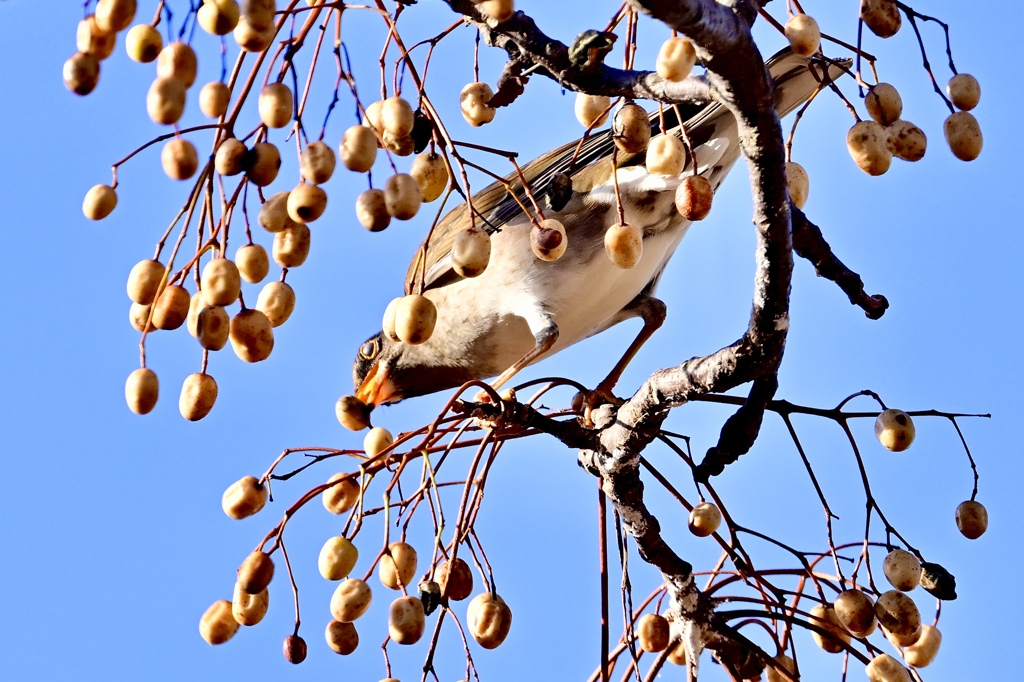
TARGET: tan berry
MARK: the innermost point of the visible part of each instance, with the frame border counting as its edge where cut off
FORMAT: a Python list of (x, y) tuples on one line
[(906, 141), (786, 663), (371, 118), (262, 164), (259, 13), (676, 59), (653, 632), (881, 16), (277, 302), (341, 637), (624, 245), (884, 104), (306, 203), (455, 579), (244, 497), (273, 215), (256, 572), (406, 620), (221, 282), (337, 558), (171, 307), (902, 640), (115, 15), (497, 10), (253, 263), (489, 620), (885, 668), (963, 134), (897, 613), (388, 322), (178, 60), (218, 17), (677, 654), (198, 394), (343, 495), (252, 337), (275, 105), (397, 568), (548, 240), (352, 413), (473, 101), (145, 280), (402, 196), (377, 440), (971, 519), (798, 183), (213, 99), (230, 157), (81, 73), (143, 43), (141, 390), (94, 40), (99, 202), (291, 246), (631, 128), (803, 34), (705, 518), (358, 149), (317, 162), (922, 652), (835, 635), (592, 110), (902, 570), (396, 116), (963, 90), (294, 649), (195, 305), (430, 173), (351, 599), (217, 624), (666, 155), (179, 159), (249, 609), (372, 210), (856, 612), (866, 143), (250, 39), (694, 197), (415, 317), (213, 327), (895, 430), (140, 317), (471, 251)]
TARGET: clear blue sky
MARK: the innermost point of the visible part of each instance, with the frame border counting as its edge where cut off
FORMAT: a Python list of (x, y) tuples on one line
[(114, 540)]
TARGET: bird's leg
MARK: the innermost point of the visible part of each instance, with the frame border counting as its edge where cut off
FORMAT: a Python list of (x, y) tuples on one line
[(546, 336), (652, 311)]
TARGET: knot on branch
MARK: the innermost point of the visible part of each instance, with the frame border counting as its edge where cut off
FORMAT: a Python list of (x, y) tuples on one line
[(511, 84)]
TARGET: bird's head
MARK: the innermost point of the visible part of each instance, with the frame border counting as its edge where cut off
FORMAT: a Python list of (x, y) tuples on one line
[(386, 372)]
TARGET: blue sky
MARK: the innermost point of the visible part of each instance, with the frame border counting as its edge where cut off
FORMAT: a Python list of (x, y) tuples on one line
[(115, 542)]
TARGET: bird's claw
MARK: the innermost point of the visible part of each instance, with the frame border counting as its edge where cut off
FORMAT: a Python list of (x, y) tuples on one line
[(587, 404)]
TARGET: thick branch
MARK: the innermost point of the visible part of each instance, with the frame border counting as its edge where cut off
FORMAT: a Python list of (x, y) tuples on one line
[(809, 243)]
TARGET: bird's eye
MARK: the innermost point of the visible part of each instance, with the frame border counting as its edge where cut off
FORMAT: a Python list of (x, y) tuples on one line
[(369, 349)]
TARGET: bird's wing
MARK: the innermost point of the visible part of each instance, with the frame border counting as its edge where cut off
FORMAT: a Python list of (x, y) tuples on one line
[(796, 78)]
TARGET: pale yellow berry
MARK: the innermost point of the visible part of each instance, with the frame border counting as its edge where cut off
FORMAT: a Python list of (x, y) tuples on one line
[(377, 440), (415, 317), (221, 282), (402, 196), (275, 105), (306, 203), (337, 558), (344, 494), (406, 620), (922, 652), (178, 60), (963, 134), (803, 34), (971, 519), (431, 175), (263, 163), (631, 129), (273, 215), (253, 264), (824, 617), (198, 394), (244, 497), (653, 632), (213, 99), (666, 155), (259, 13), (489, 620), (882, 17), (397, 568), (171, 307), (94, 40), (291, 246), (99, 202), (902, 570), (141, 390), (473, 101), (856, 612), (624, 245), (884, 103), (496, 10), (277, 302), (471, 251), (906, 141), (358, 149), (342, 638), (115, 15), (252, 337), (140, 317), (317, 162), (396, 116), (866, 144), (230, 157), (592, 110), (249, 609), (895, 430), (963, 90), (218, 17), (676, 59), (218, 624), (885, 668), (351, 599), (145, 280), (798, 183), (213, 326), (705, 518), (81, 73), (548, 240), (897, 613), (353, 414), (143, 43), (179, 159), (372, 210), (250, 39)]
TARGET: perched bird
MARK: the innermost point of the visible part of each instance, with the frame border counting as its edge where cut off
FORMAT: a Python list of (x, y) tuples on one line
[(521, 309)]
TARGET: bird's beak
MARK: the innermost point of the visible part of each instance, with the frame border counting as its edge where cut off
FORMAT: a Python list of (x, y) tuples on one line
[(377, 388)]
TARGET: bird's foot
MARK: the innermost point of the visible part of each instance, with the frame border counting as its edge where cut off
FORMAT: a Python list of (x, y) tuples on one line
[(587, 405)]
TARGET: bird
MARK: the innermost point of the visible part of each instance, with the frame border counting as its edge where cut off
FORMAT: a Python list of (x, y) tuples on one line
[(522, 309)]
